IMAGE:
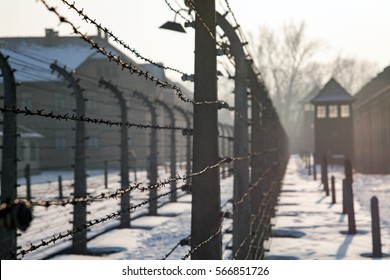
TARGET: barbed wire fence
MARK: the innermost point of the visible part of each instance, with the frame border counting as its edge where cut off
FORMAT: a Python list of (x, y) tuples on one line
[(259, 156)]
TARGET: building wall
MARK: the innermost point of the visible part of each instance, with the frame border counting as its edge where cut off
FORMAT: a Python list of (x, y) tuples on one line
[(102, 141), (372, 126)]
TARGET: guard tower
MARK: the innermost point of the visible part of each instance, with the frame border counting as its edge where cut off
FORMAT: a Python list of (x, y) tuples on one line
[(333, 123)]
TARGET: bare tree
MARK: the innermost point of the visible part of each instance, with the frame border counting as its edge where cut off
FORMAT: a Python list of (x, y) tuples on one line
[(352, 73), (286, 62)]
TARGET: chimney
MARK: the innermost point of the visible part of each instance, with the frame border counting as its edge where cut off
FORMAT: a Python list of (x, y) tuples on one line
[(51, 35)]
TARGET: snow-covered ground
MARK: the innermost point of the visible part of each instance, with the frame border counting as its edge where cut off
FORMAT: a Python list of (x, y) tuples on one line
[(303, 210), (318, 225)]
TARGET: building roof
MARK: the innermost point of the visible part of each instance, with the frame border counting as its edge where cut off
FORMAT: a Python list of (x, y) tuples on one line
[(374, 88), (31, 56), (25, 133), (332, 92)]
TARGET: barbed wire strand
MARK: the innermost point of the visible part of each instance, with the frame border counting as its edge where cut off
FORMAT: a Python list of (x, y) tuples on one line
[(74, 117), (116, 39)]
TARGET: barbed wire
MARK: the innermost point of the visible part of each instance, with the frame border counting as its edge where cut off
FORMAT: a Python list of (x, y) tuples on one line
[(133, 70), (193, 8), (229, 213), (182, 242), (87, 225), (74, 117), (242, 35), (176, 11), (197, 247), (88, 19), (132, 208), (120, 192), (167, 181)]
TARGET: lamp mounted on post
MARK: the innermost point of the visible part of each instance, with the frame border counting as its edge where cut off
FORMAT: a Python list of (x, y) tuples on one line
[(173, 25)]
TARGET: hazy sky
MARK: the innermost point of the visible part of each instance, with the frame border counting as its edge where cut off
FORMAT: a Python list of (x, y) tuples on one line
[(351, 27)]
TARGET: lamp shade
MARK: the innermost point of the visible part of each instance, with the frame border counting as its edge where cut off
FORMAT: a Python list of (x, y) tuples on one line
[(174, 26)]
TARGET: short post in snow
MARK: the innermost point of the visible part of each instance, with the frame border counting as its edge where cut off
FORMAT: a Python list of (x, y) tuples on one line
[(349, 194), (332, 179), (27, 176), (344, 196), (314, 167), (350, 208), (309, 163), (60, 193), (105, 175), (324, 169), (376, 229)]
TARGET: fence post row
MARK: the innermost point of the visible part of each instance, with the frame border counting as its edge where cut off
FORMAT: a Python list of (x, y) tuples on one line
[(173, 197), (252, 213), (257, 163), (79, 240), (124, 152), (9, 156)]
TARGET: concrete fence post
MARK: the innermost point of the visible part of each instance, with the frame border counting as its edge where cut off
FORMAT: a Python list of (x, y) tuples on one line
[(9, 155), (79, 240), (206, 196), (153, 174), (124, 152), (242, 212), (169, 110)]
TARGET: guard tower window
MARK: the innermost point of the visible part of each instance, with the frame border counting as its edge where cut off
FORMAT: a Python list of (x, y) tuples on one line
[(321, 112), (345, 111), (333, 111)]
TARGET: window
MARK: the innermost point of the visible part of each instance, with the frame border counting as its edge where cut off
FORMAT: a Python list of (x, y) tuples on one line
[(333, 111), (92, 101), (93, 141), (60, 101), (60, 140), (345, 111), (321, 112)]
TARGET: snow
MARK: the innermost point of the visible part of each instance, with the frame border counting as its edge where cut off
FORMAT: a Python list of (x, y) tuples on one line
[(304, 208), (306, 225)]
